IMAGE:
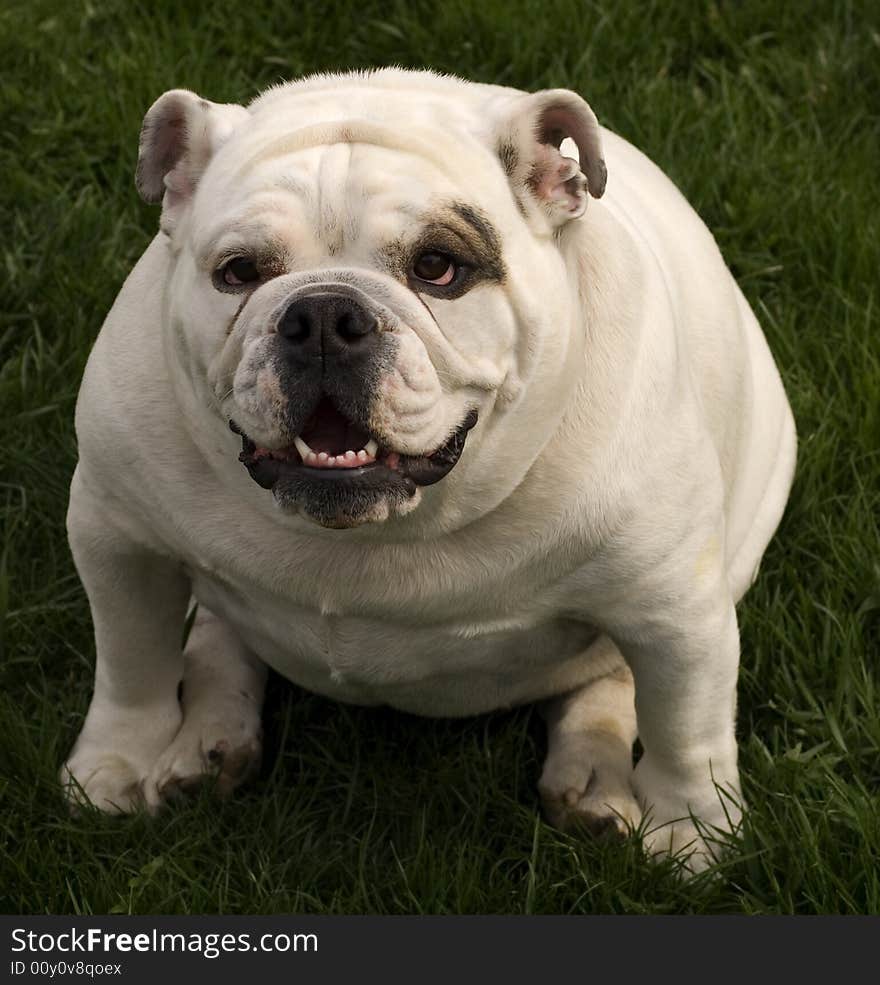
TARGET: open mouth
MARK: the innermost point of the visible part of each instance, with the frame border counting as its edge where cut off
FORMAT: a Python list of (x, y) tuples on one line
[(330, 448)]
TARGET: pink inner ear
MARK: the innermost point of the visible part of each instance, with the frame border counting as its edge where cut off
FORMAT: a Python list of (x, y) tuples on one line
[(554, 173), (168, 141), (170, 147), (561, 121), (162, 145), (558, 180)]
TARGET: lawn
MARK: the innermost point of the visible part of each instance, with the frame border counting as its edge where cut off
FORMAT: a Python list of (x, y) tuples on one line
[(767, 115)]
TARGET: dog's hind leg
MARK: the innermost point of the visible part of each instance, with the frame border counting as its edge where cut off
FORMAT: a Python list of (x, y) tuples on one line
[(586, 779), (220, 738)]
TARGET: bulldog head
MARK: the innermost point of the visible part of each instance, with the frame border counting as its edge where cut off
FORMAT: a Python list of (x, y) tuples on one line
[(369, 282)]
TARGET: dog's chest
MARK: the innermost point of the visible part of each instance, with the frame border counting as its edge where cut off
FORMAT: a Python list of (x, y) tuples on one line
[(412, 661)]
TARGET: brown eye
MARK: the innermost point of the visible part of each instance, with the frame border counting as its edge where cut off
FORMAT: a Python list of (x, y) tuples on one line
[(240, 270), (435, 268)]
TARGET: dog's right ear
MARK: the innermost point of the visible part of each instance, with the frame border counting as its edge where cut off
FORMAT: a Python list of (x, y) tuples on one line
[(180, 134)]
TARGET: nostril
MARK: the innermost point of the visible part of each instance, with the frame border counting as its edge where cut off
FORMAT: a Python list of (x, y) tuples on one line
[(343, 325), (352, 325), (302, 328), (296, 326)]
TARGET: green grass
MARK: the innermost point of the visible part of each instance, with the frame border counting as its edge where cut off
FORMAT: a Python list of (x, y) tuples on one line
[(766, 114)]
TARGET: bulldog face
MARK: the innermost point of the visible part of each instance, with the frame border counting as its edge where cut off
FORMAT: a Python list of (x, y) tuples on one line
[(365, 274)]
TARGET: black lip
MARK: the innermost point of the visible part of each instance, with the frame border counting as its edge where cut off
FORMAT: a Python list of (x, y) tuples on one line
[(411, 471)]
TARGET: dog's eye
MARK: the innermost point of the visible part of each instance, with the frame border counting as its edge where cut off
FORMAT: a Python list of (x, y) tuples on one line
[(435, 268), (240, 270)]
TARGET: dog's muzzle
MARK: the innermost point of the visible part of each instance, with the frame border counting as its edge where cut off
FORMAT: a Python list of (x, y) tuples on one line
[(331, 352)]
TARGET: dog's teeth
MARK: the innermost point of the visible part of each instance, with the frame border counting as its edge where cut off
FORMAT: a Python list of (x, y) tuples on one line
[(321, 459)]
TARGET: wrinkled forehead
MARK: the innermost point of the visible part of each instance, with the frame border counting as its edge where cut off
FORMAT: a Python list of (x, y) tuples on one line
[(331, 185), (343, 180)]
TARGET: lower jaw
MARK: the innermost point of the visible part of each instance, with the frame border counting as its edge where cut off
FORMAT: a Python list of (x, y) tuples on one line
[(342, 500)]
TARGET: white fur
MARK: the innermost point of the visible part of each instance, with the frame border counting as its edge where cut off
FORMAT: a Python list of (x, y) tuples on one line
[(633, 456)]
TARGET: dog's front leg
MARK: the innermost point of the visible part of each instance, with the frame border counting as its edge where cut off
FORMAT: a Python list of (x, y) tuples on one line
[(685, 675), (138, 601)]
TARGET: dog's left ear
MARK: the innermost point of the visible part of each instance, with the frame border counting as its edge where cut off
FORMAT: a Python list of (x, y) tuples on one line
[(528, 140)]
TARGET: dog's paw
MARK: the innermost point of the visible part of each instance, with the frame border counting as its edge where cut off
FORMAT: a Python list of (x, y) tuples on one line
[(695, 830), (221, 746), (690, 843), (113, 755), (598, 800), (102, 779)]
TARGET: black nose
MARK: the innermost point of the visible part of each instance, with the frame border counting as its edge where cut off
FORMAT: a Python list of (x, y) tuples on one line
[(327, 324)]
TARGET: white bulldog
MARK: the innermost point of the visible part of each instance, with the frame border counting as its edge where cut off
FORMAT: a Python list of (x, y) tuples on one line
[(415, 426)]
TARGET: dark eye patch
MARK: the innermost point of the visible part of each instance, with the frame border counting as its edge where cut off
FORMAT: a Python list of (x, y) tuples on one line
[(245, 269), (457, 232)]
